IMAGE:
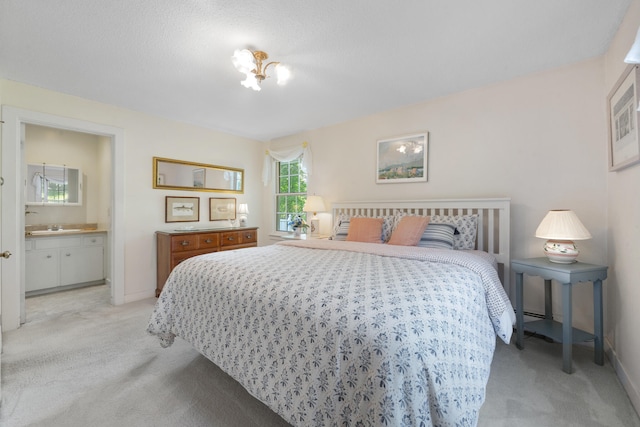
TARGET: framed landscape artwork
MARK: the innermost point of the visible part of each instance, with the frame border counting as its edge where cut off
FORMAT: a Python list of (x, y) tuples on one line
[(402, 159)]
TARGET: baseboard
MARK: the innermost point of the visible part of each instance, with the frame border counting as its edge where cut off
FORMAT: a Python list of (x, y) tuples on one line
[(139, 296), (621, 373)]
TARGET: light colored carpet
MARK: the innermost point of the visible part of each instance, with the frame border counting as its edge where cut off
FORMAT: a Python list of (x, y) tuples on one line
[(79, 361)]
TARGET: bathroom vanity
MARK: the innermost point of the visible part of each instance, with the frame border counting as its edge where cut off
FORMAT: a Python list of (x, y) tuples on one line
[(57, 260)]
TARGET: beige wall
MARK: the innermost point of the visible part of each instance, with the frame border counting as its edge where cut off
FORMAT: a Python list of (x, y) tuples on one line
[(145, 137), (623, 231), (537, 139)]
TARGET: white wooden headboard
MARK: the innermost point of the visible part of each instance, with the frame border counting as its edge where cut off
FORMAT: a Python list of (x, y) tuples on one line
[(493, 220)]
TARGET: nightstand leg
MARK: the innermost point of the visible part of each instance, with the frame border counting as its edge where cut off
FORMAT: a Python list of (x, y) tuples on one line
[(548, 306), (598, 328), (567, 332), (519, 313)]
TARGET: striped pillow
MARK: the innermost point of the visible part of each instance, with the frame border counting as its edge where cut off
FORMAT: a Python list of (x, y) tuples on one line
[(437, 235), (466, 229)]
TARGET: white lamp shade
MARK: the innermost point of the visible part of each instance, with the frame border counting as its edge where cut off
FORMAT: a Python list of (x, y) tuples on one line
[(243, 208), (314, 204), (562, 225), (243, 60)]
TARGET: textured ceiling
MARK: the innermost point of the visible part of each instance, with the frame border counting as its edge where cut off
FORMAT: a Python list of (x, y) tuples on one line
[(349, 58)]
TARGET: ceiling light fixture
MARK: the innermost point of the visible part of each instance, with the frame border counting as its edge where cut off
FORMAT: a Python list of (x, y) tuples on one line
[(250, 63)]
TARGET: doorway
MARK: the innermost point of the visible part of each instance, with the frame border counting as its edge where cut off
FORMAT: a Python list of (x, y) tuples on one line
[(12, 277), (67, 176)]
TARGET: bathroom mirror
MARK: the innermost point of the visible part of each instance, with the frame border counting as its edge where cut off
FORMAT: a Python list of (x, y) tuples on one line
[(180, 175), (53, 185)]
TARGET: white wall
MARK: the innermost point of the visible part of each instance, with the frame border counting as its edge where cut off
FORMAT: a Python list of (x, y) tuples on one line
[(145, 137), (623, 230), (537, 139)]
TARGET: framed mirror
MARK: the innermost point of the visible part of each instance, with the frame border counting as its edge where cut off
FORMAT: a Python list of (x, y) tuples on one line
[(55, 185), (172, 174)]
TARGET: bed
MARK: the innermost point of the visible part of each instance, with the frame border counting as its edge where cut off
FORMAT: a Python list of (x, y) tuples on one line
[(343, 333)]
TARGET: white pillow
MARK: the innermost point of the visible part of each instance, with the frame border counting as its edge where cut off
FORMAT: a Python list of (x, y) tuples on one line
[(466, 229)]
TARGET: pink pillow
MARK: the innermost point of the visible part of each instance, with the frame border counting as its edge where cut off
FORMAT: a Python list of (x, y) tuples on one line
[(409, 230), (368, 230)]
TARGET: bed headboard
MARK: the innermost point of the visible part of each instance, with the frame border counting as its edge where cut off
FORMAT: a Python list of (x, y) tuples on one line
[(493, 220)]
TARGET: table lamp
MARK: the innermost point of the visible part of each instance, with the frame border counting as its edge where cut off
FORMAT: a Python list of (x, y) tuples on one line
[(243, 212), (314, 204), (561, 228)]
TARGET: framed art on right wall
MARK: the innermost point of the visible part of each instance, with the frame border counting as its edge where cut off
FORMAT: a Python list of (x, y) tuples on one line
[(623, 115)]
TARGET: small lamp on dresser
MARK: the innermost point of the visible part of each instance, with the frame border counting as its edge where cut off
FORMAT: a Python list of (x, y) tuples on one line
[(562, 227), (314, 204), (243, 212)]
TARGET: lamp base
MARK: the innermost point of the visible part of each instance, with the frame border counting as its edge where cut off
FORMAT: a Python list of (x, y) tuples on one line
[(561, 251), (314, 226)]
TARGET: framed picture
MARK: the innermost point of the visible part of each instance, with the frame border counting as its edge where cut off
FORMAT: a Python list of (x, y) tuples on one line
[(402, 159), (182, 209), (622, 108), (222, 208), (198, 177)]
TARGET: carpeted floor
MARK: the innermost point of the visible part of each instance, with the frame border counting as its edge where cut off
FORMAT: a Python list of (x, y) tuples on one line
[(79, 361)]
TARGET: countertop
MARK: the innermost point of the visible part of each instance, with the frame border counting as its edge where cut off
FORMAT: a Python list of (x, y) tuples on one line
[(65, 230)]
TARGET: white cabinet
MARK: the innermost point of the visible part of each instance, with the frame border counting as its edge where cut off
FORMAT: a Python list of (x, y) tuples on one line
[(63, 260), (42, 269)]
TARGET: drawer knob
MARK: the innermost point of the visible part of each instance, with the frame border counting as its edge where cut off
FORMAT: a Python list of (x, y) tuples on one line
[(208, 241), (184, 243), (49, 256), (248, 236), (68, 254), (230, 238)]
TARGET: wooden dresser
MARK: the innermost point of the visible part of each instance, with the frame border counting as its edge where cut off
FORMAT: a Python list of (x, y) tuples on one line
[(176, 246)]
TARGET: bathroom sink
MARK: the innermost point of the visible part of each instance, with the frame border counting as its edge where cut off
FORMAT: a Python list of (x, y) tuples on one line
[(60, 231)]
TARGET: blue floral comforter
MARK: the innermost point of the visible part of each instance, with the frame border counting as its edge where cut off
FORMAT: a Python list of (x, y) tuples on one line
[(333, 333)]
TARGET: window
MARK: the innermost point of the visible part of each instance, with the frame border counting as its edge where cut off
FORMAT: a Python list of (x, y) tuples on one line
[(291, 193)]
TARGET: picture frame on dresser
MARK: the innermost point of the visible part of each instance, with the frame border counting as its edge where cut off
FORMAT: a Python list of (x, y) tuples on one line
[(182, 209), (402, 159), (222, 208), (623, 117)]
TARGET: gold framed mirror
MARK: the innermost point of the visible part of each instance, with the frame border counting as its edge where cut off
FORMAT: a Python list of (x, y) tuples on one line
[(170, 174)]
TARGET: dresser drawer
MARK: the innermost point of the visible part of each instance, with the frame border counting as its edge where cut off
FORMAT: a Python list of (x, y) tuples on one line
[(248, 236), (208, 241), (184, 243), (230, 238), (178, 257)]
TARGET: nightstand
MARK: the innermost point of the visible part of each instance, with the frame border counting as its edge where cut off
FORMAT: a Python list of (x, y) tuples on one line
[(567, 275)]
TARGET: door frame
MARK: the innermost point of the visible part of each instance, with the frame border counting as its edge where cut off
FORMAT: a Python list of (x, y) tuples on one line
[(12, 280)]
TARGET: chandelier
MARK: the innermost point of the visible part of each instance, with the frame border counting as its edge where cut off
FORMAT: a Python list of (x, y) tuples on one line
[(250, 63)]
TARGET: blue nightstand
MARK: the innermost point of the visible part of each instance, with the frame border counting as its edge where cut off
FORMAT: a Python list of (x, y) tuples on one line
[(568, 275)]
